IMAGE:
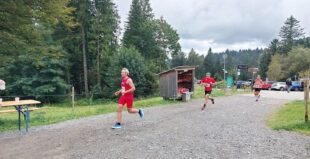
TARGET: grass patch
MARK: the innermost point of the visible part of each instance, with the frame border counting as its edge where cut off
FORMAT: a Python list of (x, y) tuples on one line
[(50, 114), (200, 92), (290, 117)]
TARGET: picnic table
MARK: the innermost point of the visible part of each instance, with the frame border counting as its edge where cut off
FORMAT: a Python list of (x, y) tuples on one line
[(22, 107)]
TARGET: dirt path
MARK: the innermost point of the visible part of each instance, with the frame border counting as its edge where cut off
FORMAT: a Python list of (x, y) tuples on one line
[(232, 128)]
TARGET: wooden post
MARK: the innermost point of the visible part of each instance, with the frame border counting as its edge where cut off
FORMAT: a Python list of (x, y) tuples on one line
[(306, 92), (72, 95)]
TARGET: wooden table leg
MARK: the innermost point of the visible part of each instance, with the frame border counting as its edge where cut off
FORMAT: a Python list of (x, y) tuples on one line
[(27, 118), (18, 108)]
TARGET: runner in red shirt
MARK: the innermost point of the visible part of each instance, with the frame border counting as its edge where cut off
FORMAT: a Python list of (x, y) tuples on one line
[(207, 82), (258, 84), (126, 92)]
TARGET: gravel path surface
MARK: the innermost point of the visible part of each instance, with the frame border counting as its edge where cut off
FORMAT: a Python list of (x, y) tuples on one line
[(234, 127), (293, 95)]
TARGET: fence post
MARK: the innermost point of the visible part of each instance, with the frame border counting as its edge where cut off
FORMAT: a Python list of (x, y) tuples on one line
[(306, 92), (72, 95)]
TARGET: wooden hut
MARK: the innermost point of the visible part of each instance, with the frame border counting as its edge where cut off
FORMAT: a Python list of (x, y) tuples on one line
[(176, 81)]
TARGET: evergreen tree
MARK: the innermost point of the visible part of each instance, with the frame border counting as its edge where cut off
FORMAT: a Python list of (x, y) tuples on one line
[(178, 59), (210, 63), (196, 60), (141, 30), (103, 40), (290, 32), (143, 79)]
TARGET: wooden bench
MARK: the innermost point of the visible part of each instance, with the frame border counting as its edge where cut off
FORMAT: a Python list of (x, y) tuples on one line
[(14, 110), (22, 107)]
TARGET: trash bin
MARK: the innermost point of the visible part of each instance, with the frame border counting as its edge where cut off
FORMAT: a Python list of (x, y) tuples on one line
[(186, 96)]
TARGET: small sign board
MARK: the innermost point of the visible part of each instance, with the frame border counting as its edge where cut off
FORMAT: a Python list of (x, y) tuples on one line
[(242, 67)]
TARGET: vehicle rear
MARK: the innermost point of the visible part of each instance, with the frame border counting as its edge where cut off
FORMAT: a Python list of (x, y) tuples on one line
[(278, 86), (296, 86)]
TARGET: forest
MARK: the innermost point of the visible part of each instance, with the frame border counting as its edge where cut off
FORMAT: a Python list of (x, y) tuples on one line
[(47, 47)]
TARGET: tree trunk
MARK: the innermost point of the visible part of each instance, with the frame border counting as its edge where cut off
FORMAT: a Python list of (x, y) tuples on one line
[(84, 61), (98, 65)]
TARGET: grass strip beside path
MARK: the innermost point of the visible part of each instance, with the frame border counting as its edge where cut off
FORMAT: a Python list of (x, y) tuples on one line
[(290, 117)]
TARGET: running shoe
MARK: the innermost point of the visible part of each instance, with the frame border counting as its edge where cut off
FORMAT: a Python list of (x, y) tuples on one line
[(117, 126), (203, 107), (212, 100), (141, 113)]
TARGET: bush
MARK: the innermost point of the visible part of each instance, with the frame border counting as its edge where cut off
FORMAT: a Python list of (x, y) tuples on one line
[(140, 73)]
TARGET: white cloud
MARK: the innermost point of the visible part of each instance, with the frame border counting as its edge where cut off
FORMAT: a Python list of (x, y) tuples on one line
[(222, 24)]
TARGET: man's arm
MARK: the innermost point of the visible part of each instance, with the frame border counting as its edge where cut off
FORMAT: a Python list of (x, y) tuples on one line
[(118, 92), (133, 88)]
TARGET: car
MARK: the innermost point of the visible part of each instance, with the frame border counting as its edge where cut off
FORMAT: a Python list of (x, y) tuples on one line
[(278, 86), (267, 85), (243, 84), (239, 84), (296, 86)]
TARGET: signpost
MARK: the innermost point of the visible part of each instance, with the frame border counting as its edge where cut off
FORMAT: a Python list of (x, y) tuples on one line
[(253, 70), (242, 67), (306, 93)]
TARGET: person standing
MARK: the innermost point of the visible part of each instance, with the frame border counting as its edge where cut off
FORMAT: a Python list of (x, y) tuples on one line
[(207, 82), (126, 92), (288, 85), (258, 83)]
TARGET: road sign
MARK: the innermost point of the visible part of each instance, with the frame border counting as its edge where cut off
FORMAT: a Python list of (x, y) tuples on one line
[(253, 70), (243, 67)]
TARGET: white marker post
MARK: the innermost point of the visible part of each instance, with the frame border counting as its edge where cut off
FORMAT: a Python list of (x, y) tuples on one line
[(2, 85)]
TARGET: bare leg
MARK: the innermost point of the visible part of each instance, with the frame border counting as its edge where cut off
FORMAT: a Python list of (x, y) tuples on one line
[(256, 95), (132, 110), (206, 102), (119, 113)]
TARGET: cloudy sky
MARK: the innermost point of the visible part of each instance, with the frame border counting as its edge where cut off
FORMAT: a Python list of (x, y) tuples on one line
[(225, 24)]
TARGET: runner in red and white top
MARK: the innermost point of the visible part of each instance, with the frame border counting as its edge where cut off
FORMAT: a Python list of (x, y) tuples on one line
[(127, 97), (207, 82), (257, 85)]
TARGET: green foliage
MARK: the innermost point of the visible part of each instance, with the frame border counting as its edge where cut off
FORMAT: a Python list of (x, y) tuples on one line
[(195, 59), (155, 39), (290, 32), (178, 59), (275, 71), (297, 61), (143, 78), (209, 63), (290, 117)]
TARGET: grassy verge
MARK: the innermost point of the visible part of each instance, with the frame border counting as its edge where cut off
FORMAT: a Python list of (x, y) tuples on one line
[(200, 93), (290, 117), (50, 114)]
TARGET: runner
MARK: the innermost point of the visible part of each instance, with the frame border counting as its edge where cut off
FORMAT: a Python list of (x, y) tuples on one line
[(288, 85), (258, 83), (126, 92), (207, 82)]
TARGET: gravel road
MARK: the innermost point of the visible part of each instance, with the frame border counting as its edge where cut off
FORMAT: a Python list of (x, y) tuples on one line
[(234, 127)]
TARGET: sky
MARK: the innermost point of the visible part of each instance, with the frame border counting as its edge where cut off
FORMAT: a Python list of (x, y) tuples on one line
[(225, 24)]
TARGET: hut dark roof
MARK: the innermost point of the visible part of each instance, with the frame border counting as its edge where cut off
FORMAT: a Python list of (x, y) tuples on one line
[(178, 68)]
